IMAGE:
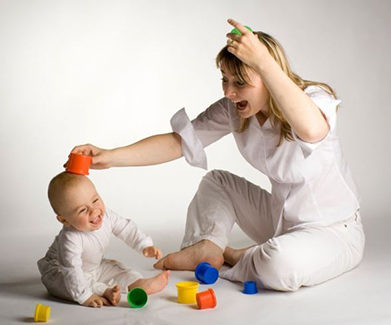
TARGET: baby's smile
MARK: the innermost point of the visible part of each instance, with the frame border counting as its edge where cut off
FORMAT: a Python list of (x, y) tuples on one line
[(97, 220)]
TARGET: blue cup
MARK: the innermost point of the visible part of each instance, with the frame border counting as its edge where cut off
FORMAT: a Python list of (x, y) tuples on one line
[(250, 288), (206, 273)]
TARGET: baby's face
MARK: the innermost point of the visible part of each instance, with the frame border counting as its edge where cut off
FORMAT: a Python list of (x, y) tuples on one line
[(82, 207)]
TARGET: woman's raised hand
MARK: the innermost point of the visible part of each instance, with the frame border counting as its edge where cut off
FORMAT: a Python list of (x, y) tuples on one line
[(246, 47), (100, 157)]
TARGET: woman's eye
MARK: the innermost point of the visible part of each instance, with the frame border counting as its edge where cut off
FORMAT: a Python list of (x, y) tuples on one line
[(223, 80), (240, 83), (96, 200)]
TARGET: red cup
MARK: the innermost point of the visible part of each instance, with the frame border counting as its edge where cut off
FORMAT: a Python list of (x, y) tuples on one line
[(206, 299), (78, 164)]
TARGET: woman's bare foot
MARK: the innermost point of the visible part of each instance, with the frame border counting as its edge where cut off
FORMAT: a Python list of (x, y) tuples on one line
[(232, 255), (152, 285), (189, 257), (113, 295)]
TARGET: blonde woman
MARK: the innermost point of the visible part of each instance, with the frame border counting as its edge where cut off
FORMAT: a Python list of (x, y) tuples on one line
[(307, 229)]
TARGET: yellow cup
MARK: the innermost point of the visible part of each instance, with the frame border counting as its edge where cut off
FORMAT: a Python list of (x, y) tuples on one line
[(42, 313), (187, 291)]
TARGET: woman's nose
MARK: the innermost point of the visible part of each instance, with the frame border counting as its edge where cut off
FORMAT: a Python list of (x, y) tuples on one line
[(230, 93)]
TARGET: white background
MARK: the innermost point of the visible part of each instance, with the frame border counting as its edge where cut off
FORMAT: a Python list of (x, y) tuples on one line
[(113, 72)]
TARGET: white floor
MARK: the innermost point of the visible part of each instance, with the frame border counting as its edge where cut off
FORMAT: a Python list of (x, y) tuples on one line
[(361, 296)]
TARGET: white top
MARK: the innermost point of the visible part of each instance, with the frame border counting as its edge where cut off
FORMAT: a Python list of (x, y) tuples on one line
[(311, 182), (78, 252)]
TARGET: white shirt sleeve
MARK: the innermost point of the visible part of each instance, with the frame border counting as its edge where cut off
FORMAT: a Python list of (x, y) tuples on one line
[(70, 259), (127, 230), (99, 288), (328, 105), (206, 128)]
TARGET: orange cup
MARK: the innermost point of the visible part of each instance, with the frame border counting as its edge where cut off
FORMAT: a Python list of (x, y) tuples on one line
[(206, 299), (78, 164)]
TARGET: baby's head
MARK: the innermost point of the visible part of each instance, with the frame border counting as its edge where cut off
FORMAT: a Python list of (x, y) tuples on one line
[(76, 202)]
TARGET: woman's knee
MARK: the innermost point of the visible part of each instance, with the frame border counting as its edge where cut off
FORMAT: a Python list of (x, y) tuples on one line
[(277, 268)]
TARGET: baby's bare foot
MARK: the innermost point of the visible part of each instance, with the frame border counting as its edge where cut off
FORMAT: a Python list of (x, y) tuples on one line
[(113, 295), (232, 255), (189, 257), (152, 285)]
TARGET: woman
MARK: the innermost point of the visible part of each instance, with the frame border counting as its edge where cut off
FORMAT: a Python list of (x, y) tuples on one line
[(308, 229)]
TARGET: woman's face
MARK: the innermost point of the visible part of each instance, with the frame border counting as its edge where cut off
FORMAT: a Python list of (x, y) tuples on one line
[(249, 99)]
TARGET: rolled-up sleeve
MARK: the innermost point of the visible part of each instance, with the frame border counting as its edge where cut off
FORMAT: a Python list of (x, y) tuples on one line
[(206, 128), (328, 105)]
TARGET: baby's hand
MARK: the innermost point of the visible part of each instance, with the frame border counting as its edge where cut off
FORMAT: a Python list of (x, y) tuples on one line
[(152, 251), (96, 301)]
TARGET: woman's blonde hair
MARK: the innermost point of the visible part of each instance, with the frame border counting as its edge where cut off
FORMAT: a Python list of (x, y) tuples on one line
[(238, 68)]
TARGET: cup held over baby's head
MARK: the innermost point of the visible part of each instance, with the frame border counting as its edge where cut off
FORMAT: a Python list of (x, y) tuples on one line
[(78, 164)]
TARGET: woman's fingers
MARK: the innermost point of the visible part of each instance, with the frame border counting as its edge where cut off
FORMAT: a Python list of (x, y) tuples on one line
[(230, 42), (234, 39), (245, 45), (99, 156), (85, 149), (238, 26)]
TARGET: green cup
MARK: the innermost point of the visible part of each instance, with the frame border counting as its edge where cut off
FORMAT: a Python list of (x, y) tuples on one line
[(237, 31), (137, 298)]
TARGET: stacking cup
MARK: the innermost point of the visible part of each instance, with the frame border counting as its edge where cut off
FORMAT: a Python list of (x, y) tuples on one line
[(137, 298), (42, 313), (250, 288), (78, 164), (206, 273), (187, 292), (206, 299)]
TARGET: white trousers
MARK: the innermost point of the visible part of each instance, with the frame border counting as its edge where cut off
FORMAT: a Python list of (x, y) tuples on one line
[(303, 257), (108, 274)]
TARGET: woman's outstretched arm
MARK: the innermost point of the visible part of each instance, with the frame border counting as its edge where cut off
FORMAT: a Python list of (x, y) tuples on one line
[(153, 150)]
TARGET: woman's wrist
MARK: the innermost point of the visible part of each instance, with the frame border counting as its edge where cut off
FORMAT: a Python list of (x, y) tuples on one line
[(115, 157), (264, 63)]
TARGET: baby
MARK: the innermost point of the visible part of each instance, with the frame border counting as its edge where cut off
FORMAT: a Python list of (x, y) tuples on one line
[(74, 267)]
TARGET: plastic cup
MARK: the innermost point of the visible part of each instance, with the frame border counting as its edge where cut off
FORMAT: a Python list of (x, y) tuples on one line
[(250, 288), (206, 273), (187, 292), (206, 299), (137, 298), (238, 32), (78, 164), (42, 313)]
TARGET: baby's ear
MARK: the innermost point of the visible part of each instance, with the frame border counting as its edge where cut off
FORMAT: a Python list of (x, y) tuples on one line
[(62, 220)]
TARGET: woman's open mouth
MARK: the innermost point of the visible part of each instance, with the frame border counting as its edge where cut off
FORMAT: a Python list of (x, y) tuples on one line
[(242, 105)]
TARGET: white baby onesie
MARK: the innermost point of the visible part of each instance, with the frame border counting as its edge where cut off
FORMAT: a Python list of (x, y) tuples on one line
[(74, 267)]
